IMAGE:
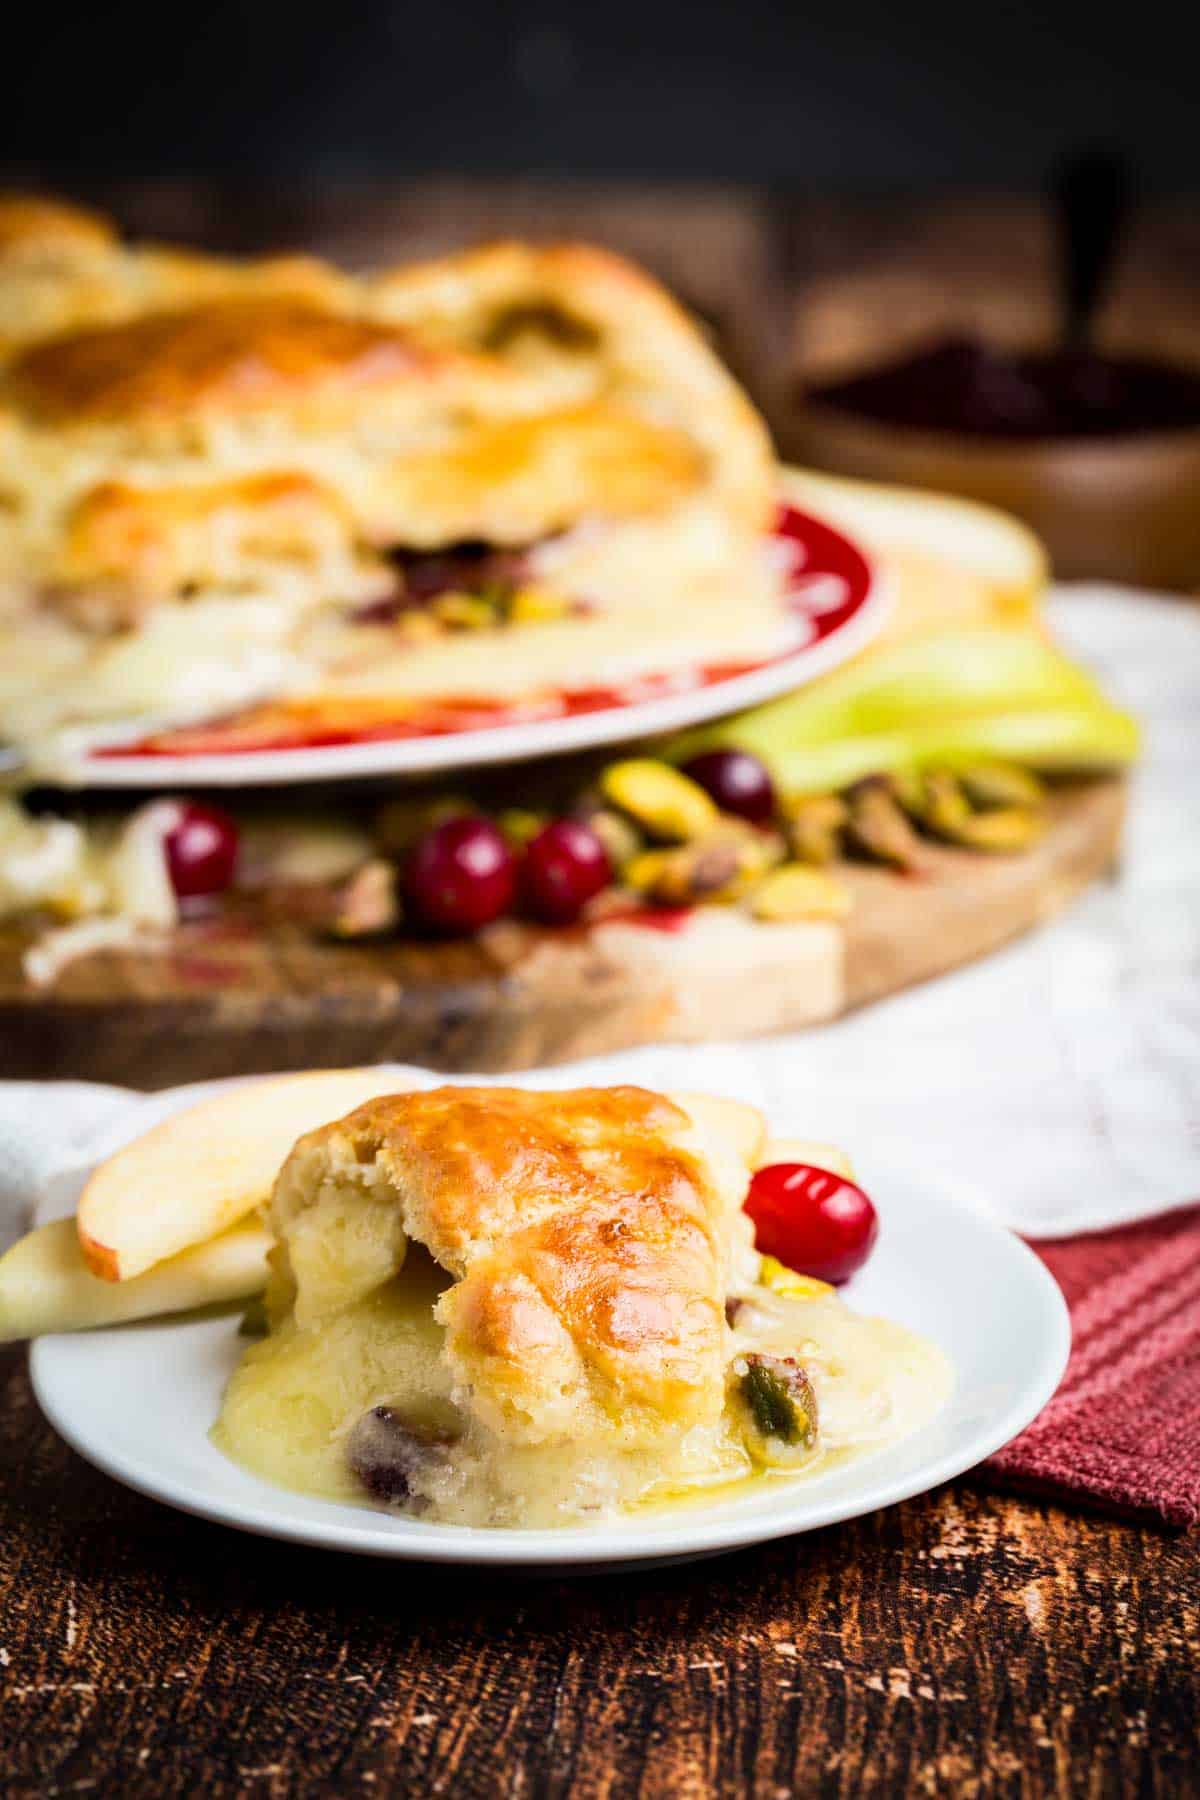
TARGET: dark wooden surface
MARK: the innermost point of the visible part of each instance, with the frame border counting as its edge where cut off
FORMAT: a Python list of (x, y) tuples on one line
[(960, 1644)]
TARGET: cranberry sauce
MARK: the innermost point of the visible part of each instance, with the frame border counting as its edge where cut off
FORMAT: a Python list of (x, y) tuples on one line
[(964, 386)]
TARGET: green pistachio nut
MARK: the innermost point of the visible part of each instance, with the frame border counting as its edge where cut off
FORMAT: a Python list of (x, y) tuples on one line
[(797, 891), (667, 804), (775, 1408), (464, 612), (877, 828), (620, 836), (997, 784), (813, 824)]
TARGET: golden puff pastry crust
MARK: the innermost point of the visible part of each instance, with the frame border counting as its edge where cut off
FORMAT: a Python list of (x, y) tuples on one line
[(225, 357), (65, 268), (225, 459), (588, 1234), (37, 226)]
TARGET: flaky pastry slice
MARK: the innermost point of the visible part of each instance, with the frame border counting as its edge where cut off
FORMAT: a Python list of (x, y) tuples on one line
[(232, 488), (501, 1306)]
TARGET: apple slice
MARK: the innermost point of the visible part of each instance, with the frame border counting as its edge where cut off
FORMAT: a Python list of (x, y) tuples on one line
[(199, 1172), (45, 1285), (950, 561), (740, 1125), (805, 1150)]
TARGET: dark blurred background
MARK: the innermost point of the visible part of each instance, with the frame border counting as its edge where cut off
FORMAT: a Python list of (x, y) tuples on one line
[(827, 186), (869, 96)]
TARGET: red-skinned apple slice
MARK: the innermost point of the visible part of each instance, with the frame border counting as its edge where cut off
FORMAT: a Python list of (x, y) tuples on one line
[(197, 1173)]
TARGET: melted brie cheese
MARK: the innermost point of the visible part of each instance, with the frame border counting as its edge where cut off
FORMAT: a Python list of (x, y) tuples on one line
[(296, 1397), (659, 596)]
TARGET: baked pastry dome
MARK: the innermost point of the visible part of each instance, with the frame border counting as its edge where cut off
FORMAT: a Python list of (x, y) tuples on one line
[(209, 470), (494, 1306), (539, 1280)]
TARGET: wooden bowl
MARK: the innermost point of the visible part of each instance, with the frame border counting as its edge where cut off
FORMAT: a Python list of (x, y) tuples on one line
[(1109, 509)]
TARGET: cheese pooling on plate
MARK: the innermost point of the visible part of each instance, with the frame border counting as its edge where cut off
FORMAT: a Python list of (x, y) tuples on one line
[(501, 1307), (228, 486)]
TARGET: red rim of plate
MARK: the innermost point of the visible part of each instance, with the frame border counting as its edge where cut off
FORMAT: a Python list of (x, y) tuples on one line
[(835, 590)]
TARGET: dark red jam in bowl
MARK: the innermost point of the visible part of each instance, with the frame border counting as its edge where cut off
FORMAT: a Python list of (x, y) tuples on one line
[(975, 390)]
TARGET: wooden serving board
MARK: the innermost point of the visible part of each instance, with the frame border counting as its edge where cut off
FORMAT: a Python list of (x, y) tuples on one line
[(236, 996)]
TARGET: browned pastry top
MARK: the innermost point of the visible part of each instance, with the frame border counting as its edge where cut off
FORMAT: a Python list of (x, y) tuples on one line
[(587, 1231)]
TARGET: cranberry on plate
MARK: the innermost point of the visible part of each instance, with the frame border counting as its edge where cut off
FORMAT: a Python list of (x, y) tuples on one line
[(812, 1220), (736, 782), (461, 876), (565, 866), (201, 850)]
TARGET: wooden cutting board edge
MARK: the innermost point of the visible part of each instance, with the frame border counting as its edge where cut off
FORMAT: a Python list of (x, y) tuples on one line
[(522, 997)]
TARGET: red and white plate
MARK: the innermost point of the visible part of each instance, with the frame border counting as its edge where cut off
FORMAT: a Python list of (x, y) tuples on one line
[(836, 593)]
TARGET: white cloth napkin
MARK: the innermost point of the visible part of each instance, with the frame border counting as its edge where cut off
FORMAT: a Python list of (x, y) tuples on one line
[(1057, 1081)]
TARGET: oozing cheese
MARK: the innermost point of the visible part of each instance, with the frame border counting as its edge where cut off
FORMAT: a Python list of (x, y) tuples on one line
[(660, 595), (297, 1396)]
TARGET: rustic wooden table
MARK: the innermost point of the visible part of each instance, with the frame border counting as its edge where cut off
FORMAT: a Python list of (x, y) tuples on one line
[(962, 1644)]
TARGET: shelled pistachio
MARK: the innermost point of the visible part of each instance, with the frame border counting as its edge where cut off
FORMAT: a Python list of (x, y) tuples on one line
[(775, 1406), (718, 867), (877, 827), (813, 824), (367, 904), (664, 802), (946, 811), (797, 891), (465, 612), (998, 785), (619, 835), (1003, 831)]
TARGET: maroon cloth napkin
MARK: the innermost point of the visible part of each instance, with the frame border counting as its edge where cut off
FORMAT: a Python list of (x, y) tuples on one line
[(1123, 1430)]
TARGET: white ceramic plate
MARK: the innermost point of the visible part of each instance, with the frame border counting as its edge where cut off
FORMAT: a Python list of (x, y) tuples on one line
[(840, 602), (137, 1401)]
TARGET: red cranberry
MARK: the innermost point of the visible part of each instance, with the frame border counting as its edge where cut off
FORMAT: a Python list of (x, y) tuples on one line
[(565, 865), (461, 876), (813, 1221), (737, 782), (201, 850)]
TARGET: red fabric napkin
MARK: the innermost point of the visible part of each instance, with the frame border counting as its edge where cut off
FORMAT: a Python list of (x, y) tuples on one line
[(1123, 1430)]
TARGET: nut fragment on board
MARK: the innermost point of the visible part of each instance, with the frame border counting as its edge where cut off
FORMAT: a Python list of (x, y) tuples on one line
[(620, 836), (877, 827), (947, 813), (813, 824), (664, 802), (719, 867), (994, 785), (367, 904), (797, 891)]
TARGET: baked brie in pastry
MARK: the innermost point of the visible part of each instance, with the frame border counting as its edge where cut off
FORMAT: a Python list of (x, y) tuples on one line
[(294, 501), (492, 1306)]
